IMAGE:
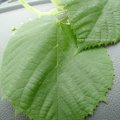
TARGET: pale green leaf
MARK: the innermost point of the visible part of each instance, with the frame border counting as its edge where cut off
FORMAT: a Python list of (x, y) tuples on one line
[(95, 22), (43, 78)]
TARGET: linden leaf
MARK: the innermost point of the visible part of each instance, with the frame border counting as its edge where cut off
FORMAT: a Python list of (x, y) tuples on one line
[(43, 78), (95, 22)]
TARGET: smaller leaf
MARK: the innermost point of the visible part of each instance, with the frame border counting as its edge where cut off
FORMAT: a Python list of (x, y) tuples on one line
[(95, 23)]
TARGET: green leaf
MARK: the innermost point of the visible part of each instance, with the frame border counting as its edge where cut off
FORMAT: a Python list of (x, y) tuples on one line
[(95, 22), (43, 78)]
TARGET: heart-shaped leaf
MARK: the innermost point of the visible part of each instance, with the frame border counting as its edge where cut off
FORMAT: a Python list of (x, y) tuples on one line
[(43, 78)]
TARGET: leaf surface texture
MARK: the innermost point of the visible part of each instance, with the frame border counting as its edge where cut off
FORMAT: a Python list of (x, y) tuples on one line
[(43, 78), (95, 22)]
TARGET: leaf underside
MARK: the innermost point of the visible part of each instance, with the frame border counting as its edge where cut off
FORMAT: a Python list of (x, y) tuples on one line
[(43, 78), (96, 23)]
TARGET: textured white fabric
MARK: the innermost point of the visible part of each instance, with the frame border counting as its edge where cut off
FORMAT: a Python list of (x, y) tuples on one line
[(7, 112)]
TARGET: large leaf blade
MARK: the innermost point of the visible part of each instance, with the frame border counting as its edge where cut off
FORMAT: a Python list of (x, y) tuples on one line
[(43, 78)]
